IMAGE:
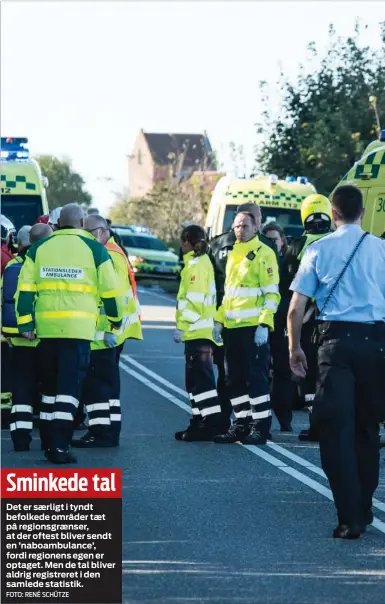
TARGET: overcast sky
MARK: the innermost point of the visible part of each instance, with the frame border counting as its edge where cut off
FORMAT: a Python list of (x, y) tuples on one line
[(82, 78)]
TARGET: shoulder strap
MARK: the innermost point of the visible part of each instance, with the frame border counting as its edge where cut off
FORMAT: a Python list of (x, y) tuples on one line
[(338, 280)]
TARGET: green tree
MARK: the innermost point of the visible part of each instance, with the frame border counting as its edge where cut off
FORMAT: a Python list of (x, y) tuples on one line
[(183, 196), (64, 184), (162, 210), (325, 119)]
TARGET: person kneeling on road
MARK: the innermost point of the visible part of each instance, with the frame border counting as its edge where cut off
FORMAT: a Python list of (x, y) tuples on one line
[(247, 312), (196, 307)]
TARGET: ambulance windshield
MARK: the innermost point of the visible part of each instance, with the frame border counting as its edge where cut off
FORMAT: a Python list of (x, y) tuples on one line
[(22, 209)]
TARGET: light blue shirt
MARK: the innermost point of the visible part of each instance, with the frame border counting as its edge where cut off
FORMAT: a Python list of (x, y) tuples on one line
[(360, 295)]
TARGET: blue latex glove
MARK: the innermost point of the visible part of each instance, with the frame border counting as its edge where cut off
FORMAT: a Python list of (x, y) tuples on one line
[(261, 335), (110, 340), (178, 334)]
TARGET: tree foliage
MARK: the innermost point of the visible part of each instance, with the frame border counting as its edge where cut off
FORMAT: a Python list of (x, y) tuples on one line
[(326, 119), (163, 210), (64, 184), (183, 195)]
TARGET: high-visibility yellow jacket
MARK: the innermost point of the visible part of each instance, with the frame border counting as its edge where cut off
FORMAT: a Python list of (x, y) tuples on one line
[(9, 283), (130, 327), (60, 284), (196, 300), (251, 288)]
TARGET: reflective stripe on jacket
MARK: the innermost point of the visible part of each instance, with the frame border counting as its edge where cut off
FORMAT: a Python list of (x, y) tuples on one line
[(252, 286), (62, 279), (8, 311), (196, 300), (130, 327)]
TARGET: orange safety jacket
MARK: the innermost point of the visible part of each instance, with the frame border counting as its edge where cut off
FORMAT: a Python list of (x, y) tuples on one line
[(114, 247)]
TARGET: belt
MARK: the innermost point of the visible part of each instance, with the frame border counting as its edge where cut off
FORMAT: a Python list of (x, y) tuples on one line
[(341, 328)]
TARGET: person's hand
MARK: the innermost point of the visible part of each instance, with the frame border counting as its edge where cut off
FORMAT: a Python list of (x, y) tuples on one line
[(217, 332), (178, 336), (261, 335), (298, 362), (29, 335), (110, 340)]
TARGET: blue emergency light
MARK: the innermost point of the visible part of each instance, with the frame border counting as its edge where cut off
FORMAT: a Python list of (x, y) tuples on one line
[(13, 148), (382, 136), (302, 180), (290, 179)]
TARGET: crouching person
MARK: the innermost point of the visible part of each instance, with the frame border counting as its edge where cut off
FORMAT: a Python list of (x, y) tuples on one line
[(196, 307)]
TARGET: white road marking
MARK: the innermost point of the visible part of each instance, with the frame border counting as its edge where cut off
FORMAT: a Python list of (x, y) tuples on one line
[(312, 468), (275, 461), (157, 389), (154, 375)]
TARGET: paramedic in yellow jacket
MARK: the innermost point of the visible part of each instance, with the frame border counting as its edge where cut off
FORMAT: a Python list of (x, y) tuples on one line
[(250, 301), (101, 391), (196, 307), (61, 282), (24, 353)]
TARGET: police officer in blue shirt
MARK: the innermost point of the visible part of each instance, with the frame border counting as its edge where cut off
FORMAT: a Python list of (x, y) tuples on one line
[(345, 273)]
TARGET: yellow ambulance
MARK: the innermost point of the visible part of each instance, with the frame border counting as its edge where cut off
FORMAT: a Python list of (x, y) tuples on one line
[(368, 174), (280, 201), (23, 194)]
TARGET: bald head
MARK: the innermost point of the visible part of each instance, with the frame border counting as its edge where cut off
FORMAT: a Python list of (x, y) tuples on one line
[(254, 209), (40, 231), (71, 215), (23, 239), (98, 227), (95, 221)]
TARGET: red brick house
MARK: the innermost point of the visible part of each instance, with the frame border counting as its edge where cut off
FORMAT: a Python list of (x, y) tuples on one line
[(157, 157)]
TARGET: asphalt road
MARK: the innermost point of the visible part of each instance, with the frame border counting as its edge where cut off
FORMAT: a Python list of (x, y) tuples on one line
[(216, 524)]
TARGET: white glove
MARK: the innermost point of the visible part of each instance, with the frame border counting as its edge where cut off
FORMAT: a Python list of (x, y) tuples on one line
[(217, 332), (178, 336), (261, 335), (110, 340)]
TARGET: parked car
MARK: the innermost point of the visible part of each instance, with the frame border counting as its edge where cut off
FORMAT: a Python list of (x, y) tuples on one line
[(148, 255)]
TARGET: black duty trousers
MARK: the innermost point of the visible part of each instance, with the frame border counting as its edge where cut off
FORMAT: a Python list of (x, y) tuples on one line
[(282, 387), (200, 383), (223, 395), (25, 390), (347, 409), (310, 348), (247, 375), (98, 394), (63, 366)]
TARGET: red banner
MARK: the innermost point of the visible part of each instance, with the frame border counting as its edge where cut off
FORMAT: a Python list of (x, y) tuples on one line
[(61, 483)]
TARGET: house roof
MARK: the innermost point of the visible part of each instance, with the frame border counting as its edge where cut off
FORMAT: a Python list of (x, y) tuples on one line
[(164, 147)]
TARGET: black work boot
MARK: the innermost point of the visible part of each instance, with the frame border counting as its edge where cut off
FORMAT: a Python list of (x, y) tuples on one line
[(60, 456), (236, 433), (190, 430), (91, 442), (20, 447), (308, 436), (345, 531), (255, 438), (197, 432), (286, 428)]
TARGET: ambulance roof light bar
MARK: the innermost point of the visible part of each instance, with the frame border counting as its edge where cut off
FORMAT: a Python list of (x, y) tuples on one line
[(13, 148)]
